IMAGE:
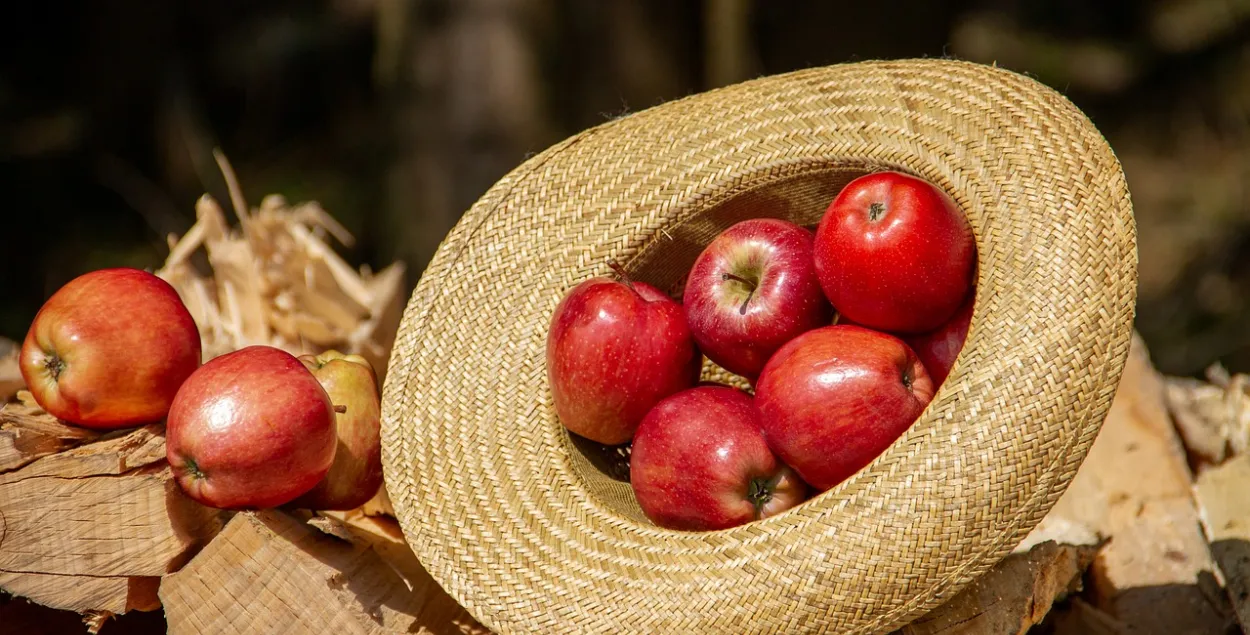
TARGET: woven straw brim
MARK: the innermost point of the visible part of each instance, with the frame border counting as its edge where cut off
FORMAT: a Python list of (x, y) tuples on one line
[(532, 533)]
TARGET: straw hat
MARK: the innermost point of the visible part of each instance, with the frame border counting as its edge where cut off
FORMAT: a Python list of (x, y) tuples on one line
[(532, 533)]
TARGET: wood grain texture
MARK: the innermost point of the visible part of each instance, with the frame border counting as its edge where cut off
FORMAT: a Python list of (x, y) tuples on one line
[(91, 526), (269, 572)]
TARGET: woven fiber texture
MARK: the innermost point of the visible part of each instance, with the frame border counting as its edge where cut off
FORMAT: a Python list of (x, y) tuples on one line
[(532, 533)]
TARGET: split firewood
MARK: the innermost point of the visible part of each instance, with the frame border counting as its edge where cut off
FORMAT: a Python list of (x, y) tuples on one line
[(1014, 596), (1213, 418), (271, 572), (1155, 573), (1221, 495), (275, 280), (28, 433), (89, 521)]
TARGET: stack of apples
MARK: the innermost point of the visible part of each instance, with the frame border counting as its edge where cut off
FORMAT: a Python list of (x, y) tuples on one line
[(254, 428), (843, 334)]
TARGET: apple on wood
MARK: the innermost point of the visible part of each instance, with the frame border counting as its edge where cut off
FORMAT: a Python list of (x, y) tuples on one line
[(752, 289), (615, 349), (833, 399), (356, 474), (251, 429), (110, 349), (700, 462), (938, 349), (894, 253)]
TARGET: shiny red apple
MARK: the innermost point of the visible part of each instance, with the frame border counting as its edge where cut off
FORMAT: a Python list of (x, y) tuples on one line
[(356, 474), (700, 462), (833, 399), (251, 429), (752, 289), (893, 252), (614, 350), (110, 349), (938, 349)]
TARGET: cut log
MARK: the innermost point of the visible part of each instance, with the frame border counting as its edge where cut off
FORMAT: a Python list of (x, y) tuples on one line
[(91, 528), (1155, 574), (1013, 597), (1221, 495), (270, 572)]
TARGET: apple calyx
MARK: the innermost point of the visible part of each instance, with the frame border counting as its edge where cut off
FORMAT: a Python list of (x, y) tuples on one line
[(752, 285), (192, 468), (875, 211), (54, 365), (760, 490), (907, 378)]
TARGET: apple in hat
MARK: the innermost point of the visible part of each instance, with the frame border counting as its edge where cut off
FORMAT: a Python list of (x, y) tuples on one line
[(700, 462), (251, 429), (752, 289), (834, 398), (894, 253), (110, 349), (938, 349), (615, 349)]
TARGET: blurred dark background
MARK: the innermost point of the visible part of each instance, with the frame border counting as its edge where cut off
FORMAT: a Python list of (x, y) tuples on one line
[(397, 114)]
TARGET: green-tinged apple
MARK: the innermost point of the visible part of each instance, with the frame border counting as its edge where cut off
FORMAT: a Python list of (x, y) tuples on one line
[(614, 350), (832, 399), (356, 474), (699, 462), (110, 349), (752, 289), (251, 429), (894, 253)]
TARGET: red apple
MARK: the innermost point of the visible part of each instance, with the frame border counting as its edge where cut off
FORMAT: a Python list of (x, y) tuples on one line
[(699, 462), (753, 289), (894, 253), (250, 429), (614, 350), (110, 349), (938, 349), (356, 474), (832, 399)]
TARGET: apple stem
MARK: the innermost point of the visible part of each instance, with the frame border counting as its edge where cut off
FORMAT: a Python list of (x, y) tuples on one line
[(620, 272), (876, 211), (340, 409), (742, 310), (54, 365)]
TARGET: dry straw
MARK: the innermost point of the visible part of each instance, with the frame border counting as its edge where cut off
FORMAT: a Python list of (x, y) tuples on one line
[(532, 533)]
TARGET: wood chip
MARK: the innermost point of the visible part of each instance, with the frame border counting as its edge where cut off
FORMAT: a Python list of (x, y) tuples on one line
[(10, 373), (274, 280), (28, 433), (1213, 418)]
